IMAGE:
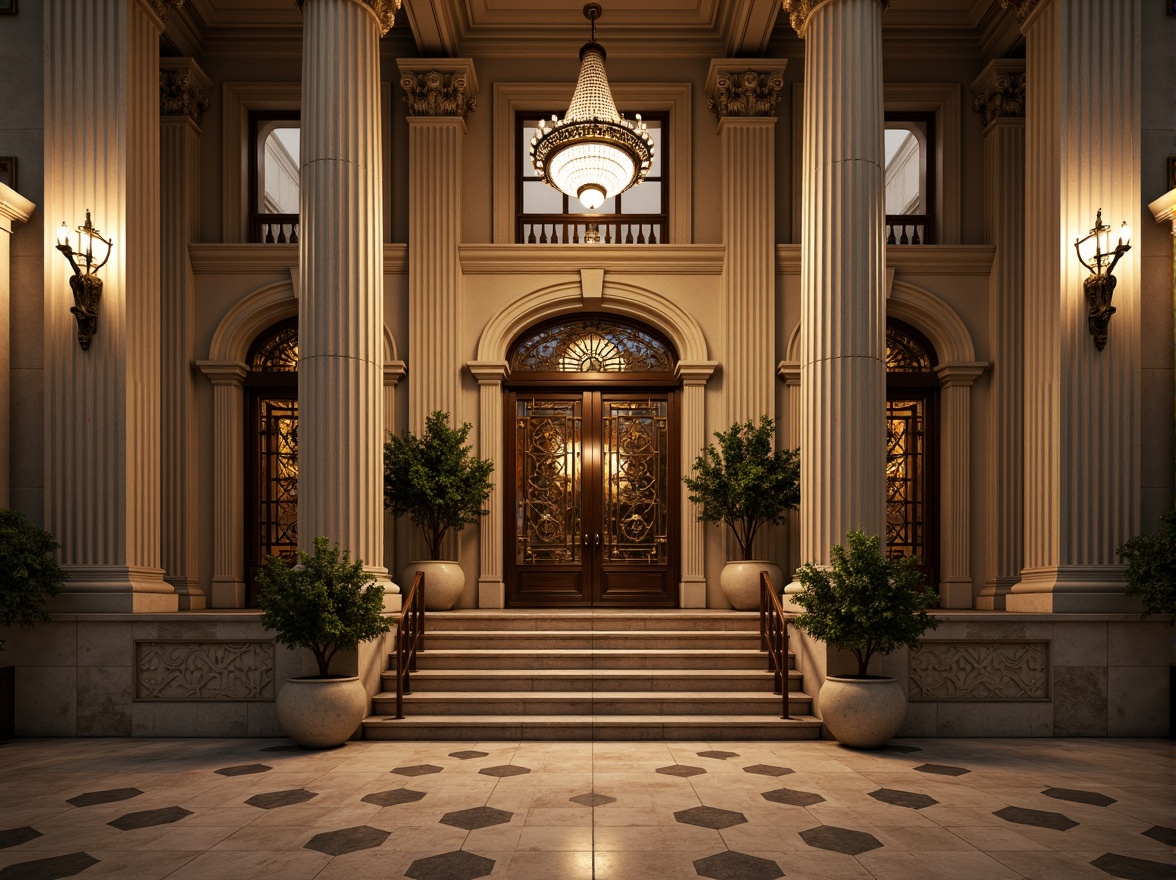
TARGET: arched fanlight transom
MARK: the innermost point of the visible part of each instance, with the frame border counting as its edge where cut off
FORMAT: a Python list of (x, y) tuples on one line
[(598, 344), (276, 349), (907, 351)]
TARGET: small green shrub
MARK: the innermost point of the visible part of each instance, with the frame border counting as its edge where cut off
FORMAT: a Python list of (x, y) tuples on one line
[(29, 573), (325, 603), (1151, 567), (865, 603)]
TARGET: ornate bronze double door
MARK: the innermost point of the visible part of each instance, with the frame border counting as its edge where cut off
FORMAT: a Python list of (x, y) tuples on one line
[(594, 495)]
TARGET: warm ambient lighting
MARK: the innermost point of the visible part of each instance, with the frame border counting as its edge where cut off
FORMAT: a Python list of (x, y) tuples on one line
[(593, 153), (85, 283), (1097, 254)]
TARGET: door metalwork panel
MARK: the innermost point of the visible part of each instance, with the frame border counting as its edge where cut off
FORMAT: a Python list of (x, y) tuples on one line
[(910, 491), (273, 519)]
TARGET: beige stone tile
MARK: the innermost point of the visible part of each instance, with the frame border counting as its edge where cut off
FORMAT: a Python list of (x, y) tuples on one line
[(643, 865), (1140, 643), (1080, 701), (889, 865), (219, 865), (1138, 698), (434, 837), (140, 865), (46, 644), (1079, 644), (104, 700), (555, 837), (1048, 865), (267, 838), (910, 838), (966, 866), (570, 816), (46, 701), (184, 838), (523, 865)]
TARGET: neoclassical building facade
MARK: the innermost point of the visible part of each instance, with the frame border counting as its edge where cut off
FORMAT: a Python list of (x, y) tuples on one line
[(325, 226)]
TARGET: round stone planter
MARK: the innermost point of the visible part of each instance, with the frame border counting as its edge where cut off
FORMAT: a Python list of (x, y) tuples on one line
[(740, 582), (320, 713), (862, 713), (444, 581)]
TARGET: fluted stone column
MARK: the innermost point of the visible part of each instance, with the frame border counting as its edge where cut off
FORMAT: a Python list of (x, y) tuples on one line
[(1000, 101), (1082, 416), (842, 323), (14, 208), (102, 410), (694, 376), (341, 295), (491, 582), (184, 90)]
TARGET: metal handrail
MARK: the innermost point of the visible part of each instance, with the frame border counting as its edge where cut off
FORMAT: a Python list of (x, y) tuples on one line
[(774, 638), (410, 638)]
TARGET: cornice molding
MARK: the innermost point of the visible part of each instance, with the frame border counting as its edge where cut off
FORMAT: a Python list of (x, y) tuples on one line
[(798, 12), (439, 86), (14, 208), (744, 86), (384, 11), (271, 259), (183, 89), (566, 260), (921, 259), (1000, 91)]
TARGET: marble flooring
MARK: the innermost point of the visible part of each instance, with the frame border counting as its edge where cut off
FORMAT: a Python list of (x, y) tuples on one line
[(919, 809)]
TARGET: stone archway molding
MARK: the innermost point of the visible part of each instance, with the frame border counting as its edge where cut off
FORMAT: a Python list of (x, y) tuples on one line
[(590, 294)]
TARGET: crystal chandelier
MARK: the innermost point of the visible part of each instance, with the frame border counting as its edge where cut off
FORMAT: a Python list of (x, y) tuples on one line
[(593, 153)]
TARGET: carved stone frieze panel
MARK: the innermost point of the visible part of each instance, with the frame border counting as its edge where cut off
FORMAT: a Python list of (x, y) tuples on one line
[(979, 671), (745, 93), (204, 671), (798, 12), (1000, 91)]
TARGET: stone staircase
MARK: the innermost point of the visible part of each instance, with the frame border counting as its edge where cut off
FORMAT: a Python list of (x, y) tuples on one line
[(592, 674)]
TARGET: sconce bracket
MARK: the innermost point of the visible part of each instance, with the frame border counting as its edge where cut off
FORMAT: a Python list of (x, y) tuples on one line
[(87, 291), (1099, 290)]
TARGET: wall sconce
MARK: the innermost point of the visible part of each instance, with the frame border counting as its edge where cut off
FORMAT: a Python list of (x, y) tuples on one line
[(85, 283), (1097, 255)]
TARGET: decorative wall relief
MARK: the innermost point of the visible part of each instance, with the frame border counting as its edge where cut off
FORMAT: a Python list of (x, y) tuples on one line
[(992, 671), (228, 671)]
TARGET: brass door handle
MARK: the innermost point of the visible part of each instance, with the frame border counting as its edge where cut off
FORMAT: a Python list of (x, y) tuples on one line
[(598, 539)]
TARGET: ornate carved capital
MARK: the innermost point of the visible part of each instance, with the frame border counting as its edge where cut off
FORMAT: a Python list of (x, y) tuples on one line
[(439, 86), (162, 7), (183, 89), (799, 11), (741, 87), (385, 11), (1024, 7), (1000, 90)]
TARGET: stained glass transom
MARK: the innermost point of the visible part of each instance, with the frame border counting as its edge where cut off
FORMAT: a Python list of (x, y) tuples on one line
[(592, 345), (277, 352), (905, 352)]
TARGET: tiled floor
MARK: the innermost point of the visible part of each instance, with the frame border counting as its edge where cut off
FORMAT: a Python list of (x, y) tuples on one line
[(221, 809)]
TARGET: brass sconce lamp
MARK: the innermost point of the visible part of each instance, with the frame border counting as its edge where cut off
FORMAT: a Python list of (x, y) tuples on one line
[(85, 283), (1096, 254)]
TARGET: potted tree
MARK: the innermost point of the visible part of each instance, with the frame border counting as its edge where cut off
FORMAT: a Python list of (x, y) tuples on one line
[(746, 483), (29, 574), (328, 604), (437, 481), (867, 604)]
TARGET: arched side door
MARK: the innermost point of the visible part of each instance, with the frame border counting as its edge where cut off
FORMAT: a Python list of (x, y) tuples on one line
[(592, 446)]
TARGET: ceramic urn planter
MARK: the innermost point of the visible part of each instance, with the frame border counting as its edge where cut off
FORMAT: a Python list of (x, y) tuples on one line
[(444, 581), (740, 582), (863, 713), (320, 713)]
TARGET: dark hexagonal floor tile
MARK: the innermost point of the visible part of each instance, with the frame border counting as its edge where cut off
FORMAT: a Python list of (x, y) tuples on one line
[(149, 818), (1076, 795), (417, 770), (17, 836), (477, 817), (273, 799), (49, 869), (710, 817), (718, 754), (393, 797), (682, 770), (842, 840), (733, 865), (1127, 867), (467, 754), (1036, 818), (347, 840), (90, 798), (592, 799), (942, 769), (793, 797), (911, 799), (244, 770), (1162, 833), (504, 770), (768, 770), (457, 865)]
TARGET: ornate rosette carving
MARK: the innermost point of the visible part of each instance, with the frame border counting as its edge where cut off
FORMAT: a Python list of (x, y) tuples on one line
[(979, 670), (1024, 8), (799, 11), (1001, 94), (750, 93), (437, 93), (178, 96)]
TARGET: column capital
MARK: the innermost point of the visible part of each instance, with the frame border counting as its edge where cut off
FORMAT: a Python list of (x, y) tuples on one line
[(798, 12), (394, 371), (223, 372), (160, 8), (789, 371), (1024, 8), (489, 372), (744, 86), (183, 89), (13, 207), (438, 86), (695, 372), (960, 373), (384, 11), (1000, 90)]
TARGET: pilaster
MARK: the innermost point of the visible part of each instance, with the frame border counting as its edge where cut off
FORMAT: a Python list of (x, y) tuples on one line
[(14, 208), (491, 583), (184, 90), (394, 371), (102, 410), (694, 376), (789, 371), (1082, 405), (1000, 101)]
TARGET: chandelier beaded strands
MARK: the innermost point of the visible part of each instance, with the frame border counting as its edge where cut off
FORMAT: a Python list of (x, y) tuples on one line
[(593, 153)]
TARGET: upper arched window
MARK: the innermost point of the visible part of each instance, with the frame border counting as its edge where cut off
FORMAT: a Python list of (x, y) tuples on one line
[(907, 350), (276, 350), (594, 344)]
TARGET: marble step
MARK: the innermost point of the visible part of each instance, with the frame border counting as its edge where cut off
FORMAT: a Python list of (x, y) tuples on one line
[(592, 640), (588, 680), (515, 658), (588, 728), (594, 703), (595, 619)]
